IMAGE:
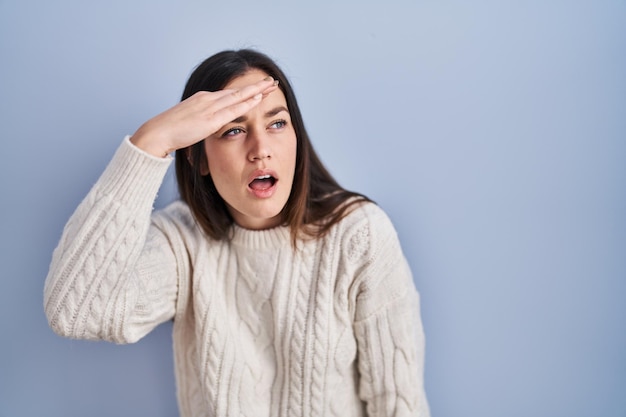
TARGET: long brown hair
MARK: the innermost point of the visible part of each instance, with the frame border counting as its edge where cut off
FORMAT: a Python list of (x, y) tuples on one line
[(316, 201)]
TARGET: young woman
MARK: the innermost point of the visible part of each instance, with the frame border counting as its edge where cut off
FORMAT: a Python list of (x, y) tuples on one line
[(290, 295)]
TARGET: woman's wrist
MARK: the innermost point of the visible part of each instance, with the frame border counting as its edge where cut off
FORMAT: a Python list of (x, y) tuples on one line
[(150, 146)]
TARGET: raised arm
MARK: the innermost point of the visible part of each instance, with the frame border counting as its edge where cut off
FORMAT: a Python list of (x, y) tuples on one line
[(114, 275)]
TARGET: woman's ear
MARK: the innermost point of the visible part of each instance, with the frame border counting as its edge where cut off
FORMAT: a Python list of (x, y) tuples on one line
[(204, 168), (203, 163)]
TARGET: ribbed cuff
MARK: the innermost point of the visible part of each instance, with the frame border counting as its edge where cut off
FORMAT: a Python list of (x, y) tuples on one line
[(133, 175)]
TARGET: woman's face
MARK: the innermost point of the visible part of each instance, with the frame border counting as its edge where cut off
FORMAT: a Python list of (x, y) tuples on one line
[(252, 159)]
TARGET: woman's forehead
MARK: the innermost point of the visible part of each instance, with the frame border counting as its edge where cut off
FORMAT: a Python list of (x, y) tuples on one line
[(249, 77)]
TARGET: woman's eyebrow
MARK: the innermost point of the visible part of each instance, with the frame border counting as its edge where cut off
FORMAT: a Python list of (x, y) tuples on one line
[(275, 111)]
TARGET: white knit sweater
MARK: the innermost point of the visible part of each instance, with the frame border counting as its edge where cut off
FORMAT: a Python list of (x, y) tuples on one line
[(260, 329)]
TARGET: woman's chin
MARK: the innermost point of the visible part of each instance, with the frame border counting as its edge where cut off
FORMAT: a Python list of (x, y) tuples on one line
[(258, 219)]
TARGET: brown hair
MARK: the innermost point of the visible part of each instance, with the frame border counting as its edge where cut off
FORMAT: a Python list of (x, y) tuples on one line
[(316, 201)]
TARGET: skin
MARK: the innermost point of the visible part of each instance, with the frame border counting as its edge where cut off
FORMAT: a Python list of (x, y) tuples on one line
[(264, 140)]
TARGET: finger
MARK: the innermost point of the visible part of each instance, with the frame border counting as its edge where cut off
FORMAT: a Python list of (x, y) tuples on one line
[(234, 103), (245, 93), (272, 88), (227, 114), (213, 101), (223, 93)]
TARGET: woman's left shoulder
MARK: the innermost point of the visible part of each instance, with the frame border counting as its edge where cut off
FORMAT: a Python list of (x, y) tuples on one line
[(367, 214), (366, 230)]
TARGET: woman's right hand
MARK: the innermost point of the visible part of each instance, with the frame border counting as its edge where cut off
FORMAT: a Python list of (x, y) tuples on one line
[(198, 117)]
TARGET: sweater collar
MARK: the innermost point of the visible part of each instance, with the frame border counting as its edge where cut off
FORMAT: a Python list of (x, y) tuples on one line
[(274, 238)]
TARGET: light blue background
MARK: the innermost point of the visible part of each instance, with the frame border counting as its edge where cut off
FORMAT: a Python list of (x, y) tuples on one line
[(492, 132)]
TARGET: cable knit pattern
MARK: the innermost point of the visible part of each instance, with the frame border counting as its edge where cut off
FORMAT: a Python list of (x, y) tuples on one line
[(331, 328)]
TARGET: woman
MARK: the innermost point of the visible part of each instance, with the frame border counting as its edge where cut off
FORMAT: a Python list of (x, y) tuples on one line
[(289, 294)]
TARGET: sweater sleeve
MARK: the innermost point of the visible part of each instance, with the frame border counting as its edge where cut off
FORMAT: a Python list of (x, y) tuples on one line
[(113, 273), (387, 326)]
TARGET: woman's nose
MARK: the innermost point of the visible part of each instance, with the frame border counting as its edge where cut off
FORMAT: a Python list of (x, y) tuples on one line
[(259, 146)]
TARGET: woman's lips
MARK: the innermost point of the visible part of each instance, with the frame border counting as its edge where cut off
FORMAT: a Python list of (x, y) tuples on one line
[(262, 183)]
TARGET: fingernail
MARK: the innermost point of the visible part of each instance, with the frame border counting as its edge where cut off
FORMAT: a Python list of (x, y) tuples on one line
[(268, 78), (276, 82)]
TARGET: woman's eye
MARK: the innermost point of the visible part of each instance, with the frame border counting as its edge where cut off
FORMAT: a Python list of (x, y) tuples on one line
[(232, 132), (278, 124)]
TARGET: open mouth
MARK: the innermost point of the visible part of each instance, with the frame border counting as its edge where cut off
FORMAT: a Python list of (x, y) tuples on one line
[(262, 183)]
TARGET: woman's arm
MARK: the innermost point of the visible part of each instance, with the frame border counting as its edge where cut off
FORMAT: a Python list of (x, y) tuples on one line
[(387, 325), (113, 275)]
